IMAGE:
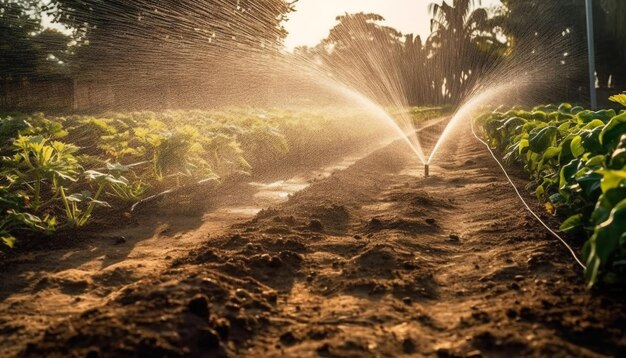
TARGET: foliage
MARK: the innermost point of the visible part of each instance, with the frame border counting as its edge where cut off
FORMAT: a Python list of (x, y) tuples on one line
[(27, 49), (560, 40), (362, 52), (466, 40), (577, 161), (114, 33), (619, 98), (58, 171)]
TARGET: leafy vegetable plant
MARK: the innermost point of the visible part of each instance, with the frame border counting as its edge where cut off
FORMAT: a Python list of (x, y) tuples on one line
[(577, 161), (58, 171)]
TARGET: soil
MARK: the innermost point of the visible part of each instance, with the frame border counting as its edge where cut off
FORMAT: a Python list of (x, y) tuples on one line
[(373, 260)]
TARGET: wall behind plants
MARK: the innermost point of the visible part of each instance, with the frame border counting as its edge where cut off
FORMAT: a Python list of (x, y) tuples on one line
[(36, 94)]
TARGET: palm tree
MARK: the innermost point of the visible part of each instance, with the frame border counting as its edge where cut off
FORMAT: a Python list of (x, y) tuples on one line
[(464, 39), (412, 66)]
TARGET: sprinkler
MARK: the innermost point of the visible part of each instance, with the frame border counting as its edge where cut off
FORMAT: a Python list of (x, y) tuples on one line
[(426, 170)]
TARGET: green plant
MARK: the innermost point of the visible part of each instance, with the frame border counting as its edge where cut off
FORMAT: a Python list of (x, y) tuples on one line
[(576, 159), (39, 182), (79, 206), (124, 189), (57, 171), (619, 98), (14, 218), (38, 163)]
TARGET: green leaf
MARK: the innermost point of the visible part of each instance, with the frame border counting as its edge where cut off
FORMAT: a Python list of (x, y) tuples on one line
[(605, 115), (551, 152), (96, 176), (100, 203), (590, 183), (576, 146), (541, 140), (567, 173), (565, 107), (512, 123), (585, 116), (618, 159), (117, 167), (79, 197), (566, 155), (540, 191), (564, 128), (572, 223), (612, 179), (613, 131), (523, 144), (26, 218), (594, 124), (9, 241), (606, 203), (619, 98), (64, 176), (539, 116), (596, 161), (557, 199), (605, 242), (591, 140)]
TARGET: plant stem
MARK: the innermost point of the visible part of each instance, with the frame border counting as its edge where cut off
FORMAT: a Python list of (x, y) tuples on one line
[(68, 211), (92, 205), (37, 198)]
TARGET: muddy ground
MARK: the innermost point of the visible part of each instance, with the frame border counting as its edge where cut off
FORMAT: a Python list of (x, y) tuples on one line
[(373, 260)]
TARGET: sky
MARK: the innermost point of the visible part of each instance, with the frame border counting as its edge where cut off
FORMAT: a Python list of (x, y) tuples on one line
[(314, 18)]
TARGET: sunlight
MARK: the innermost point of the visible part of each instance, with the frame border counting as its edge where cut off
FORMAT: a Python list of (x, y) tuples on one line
[(313, 18), (304, 178)]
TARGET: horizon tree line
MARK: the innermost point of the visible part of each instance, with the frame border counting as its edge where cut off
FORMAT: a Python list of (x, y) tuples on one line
[(156, 40)]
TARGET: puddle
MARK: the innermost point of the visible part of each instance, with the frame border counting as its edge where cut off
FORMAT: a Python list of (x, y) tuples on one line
[(379, 207), (277, 192), (243, 211)]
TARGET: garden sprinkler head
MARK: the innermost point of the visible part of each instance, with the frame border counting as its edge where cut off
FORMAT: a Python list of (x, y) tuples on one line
[(426, 170)]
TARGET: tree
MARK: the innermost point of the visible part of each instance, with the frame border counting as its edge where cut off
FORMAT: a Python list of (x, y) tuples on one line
[(414, 71), (366, 55), (170, 36), (55, 53), (548, 40), (464, 42), (19, 55), (29, 51), (397, 69)]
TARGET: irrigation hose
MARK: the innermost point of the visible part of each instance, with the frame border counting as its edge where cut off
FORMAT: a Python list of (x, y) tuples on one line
[(569, 248)]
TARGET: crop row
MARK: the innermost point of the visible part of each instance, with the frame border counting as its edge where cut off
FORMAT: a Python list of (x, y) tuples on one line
[(576, 159), (57, 171)]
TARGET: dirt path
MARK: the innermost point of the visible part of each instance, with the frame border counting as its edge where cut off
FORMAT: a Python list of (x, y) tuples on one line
[(89, 270), (374, 260)]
